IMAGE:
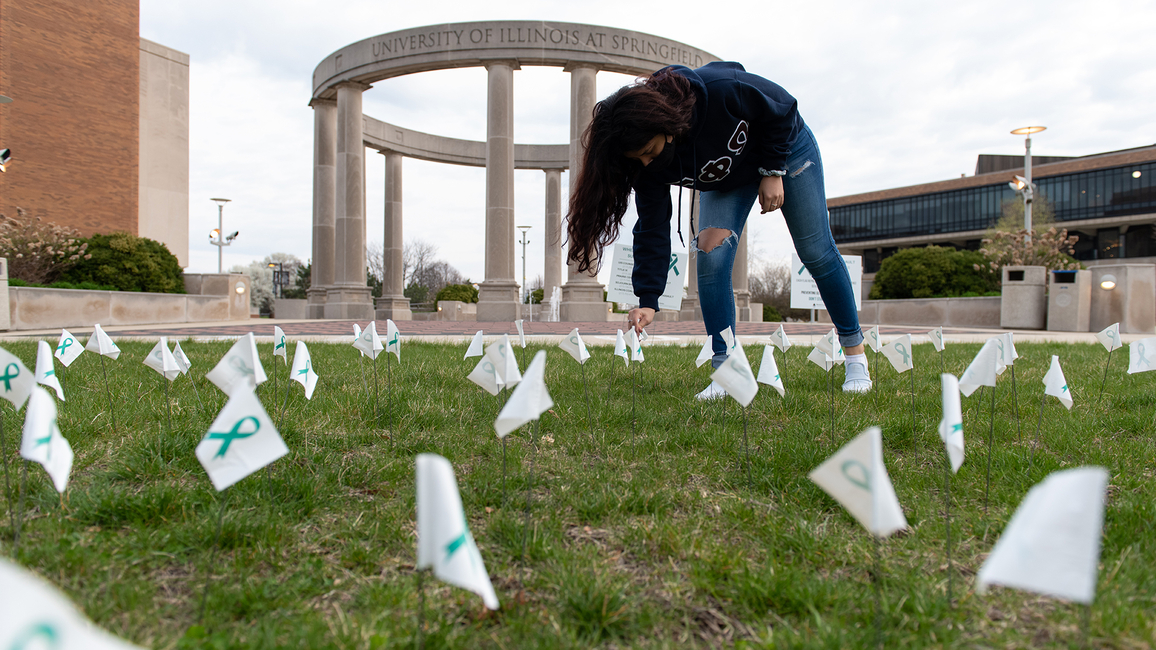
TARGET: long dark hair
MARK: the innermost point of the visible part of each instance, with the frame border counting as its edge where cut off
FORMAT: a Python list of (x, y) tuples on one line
[(625, 121)]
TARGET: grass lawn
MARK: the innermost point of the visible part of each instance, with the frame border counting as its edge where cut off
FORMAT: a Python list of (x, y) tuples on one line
[(648, 537)]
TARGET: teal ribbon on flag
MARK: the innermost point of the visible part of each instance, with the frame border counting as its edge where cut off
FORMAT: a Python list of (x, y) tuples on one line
[(12, 372), (227, 438), (1139, 350), (44, 631), (280, 344), (906, 356), (864, 482), (307, 368), (673, 264), (64, 345), (238, 364)]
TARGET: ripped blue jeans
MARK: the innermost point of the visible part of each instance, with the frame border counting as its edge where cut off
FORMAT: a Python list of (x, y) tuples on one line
[(805, 211)]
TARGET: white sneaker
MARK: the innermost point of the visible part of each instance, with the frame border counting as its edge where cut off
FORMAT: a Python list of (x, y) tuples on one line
[(714, 391), (857, 380)]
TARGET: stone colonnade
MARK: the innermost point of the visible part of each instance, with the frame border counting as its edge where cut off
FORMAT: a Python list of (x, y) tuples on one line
[(342, 132)]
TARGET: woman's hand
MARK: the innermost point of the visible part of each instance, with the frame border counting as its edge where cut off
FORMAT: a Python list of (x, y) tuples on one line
[(771, 194), (640, 317)]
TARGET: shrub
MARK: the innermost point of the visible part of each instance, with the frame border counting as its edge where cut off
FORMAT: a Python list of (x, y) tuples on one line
[(461, 292), (1050, 248), (931, 272), (771, 315), (38, 252), (129, 263)]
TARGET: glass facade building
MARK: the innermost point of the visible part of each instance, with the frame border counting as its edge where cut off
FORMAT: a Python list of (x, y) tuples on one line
[(1109, 196)]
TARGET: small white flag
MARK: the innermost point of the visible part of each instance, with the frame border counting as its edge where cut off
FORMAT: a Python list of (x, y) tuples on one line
[(37, 615), (857, 478), (162, 360), (951, 426), (728, 337), (521, 334), (1007, 352), (736, 376), (101, 344), (444, 542), (477, 348), (486, 375), (621, 349), (828, 343), (872, 338), (1142, 355), (369, 342), (356, 335), (68, 349), (529, 401), (1055, 384), (240, 366), (43, 442), (1109, 337), (240, 441), (501, 354), (1051, 545), (898, 352), (779, 338), (16, 379), (302, 371), (983, 369), (839, 357), (706, 353), (46, 369), (642, 336), (769, 371), (573, 344), (819, 359), (280, 344), (182, 359), (392, 339), (936, 336), (635, 347)]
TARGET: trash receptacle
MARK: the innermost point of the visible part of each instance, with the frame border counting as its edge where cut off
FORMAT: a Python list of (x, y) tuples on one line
[(1069, 301), (1022, 300)]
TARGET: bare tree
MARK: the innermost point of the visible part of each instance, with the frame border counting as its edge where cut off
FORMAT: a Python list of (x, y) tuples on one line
[(416, 256), (375, 261), (770, 284)]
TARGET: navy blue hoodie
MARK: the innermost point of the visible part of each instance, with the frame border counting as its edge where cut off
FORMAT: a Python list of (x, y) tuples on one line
[(742, 123)]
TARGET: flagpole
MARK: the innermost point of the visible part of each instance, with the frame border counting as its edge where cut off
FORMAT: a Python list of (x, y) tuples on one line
[(1032, 457), (586, 390), (389, 397), (108, 391), (169, 405), (831, 394), (1016, 403), (503, 470), (1100, 399), (947, 523), (877, 577), (197, 392), (213, 555), (747, 447), (914, 437), (7, 481), (633, 418), (376, 421), (990, 438), (530, 485), (421, 607)]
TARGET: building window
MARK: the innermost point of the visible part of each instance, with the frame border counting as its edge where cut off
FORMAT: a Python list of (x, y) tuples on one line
[(1108, 243)]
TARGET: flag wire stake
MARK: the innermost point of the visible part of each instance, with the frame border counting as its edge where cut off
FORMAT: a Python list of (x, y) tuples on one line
[(376, 418), (7, 481), (877, 577), (747, 447), (213, 555), (530, 486), (990, 438), (1016, 404), (20, 507), (420, 639), (586, 390), (947, 523), (108, 391), (1036, 442), (914, 437), (1100, 399)]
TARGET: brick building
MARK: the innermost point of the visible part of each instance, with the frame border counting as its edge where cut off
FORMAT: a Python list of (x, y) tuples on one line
[(98, 124)]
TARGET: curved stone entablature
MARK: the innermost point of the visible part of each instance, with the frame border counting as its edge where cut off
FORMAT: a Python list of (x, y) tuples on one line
[(523, 42), (385, 137)]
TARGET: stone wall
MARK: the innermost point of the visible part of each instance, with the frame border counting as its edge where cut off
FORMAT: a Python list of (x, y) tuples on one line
[(33, 308), (929, 312)]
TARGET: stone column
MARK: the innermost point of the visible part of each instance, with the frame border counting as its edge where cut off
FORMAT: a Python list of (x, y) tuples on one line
[(690, 310), (552, 239), (349, 297), (498, 294), (324, 202), (393, 303), (582, 293), (739, 281)]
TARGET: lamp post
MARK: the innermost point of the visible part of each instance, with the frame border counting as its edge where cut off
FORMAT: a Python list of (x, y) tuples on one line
[(219, 233), (278, 278), (524, 287), (1023, 184)]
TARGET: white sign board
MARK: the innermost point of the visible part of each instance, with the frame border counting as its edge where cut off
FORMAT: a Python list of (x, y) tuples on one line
[(621, 287), (804, 292)]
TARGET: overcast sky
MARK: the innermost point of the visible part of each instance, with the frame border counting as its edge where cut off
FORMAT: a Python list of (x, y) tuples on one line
[(897, 93)]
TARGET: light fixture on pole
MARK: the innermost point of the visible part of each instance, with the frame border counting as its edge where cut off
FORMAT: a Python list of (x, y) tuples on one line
[(1023, 184), (525, 290), (5, 154), (220, 240), (279, 278)]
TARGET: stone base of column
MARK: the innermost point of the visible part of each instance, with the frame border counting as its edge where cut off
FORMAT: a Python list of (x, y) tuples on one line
[(349, 303), (690, 310), (393, 307), (582, 302), (315, 307), (498, 301), (742, 306)]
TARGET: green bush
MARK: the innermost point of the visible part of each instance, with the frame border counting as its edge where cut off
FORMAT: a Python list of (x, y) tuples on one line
[(771, 315), (933, 271), (461, 292), (128, 263)]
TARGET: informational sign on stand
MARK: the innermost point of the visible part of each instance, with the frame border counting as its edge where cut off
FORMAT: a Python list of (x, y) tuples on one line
[(620, 289), (804, 292)]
